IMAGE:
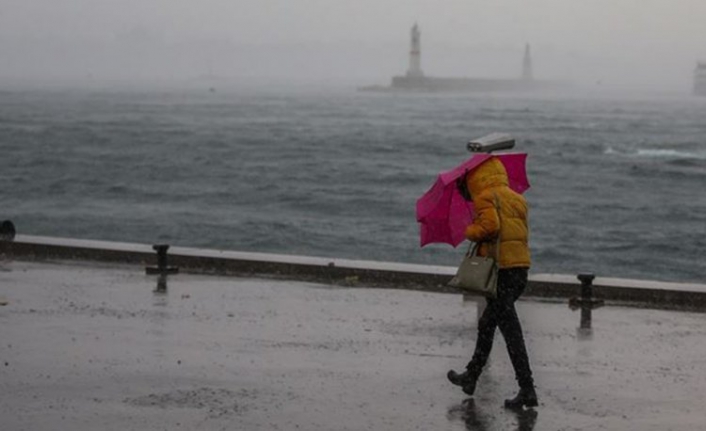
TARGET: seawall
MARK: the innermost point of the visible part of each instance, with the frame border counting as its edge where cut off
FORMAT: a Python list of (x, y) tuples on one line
[(352, 273)]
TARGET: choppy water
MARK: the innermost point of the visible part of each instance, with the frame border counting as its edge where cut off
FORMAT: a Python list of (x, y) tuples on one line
[(618, 186)]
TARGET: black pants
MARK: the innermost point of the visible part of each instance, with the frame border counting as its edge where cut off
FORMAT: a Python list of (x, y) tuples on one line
[(500, 312)]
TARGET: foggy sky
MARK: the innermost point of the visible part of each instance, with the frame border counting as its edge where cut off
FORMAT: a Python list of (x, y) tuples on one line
[(651, 44)]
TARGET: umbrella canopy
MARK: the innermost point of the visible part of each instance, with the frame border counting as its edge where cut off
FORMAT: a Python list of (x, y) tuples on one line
[(442, 212)]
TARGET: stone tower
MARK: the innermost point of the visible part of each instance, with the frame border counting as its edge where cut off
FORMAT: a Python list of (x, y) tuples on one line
[(527, 65), (415, 53)]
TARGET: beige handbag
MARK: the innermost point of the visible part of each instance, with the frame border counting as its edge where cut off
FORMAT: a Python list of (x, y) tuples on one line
[(479, 274)]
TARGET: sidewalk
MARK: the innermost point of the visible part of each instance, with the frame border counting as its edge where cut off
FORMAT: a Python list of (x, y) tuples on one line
[(86, 346)]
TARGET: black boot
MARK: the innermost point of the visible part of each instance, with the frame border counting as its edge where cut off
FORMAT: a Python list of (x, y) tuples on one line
[(466, 380), (526, 397)]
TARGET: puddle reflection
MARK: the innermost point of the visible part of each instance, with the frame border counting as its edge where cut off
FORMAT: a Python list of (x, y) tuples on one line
[(476, 419), (161, 284)]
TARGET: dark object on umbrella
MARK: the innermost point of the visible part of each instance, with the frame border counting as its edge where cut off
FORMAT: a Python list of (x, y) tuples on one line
[(463, 188), (7, 231), (492, 142)]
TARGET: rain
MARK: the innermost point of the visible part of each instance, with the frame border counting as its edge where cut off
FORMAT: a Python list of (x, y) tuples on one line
[(226, 214)]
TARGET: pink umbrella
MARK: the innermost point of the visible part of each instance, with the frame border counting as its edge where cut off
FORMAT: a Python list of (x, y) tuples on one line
[(442, 212)]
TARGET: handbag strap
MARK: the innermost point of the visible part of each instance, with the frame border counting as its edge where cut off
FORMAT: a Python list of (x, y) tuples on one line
[(473, 248), (500, 225)]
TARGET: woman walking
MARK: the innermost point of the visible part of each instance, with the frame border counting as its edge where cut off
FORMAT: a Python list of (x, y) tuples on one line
[(499, 211)]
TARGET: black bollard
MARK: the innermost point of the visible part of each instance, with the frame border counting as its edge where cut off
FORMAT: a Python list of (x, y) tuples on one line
[(161, 256), (162, 264), (7, 231), (586, 315), (586, 302), (586, 285)]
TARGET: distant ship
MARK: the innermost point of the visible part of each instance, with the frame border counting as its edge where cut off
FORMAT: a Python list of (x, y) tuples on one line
[(415, 80), (700, 79)]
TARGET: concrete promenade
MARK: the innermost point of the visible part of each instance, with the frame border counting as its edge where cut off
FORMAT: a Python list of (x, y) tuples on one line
[(86, 346)]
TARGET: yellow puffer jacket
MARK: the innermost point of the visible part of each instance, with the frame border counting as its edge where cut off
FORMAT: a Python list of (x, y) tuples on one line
[(485, 183)]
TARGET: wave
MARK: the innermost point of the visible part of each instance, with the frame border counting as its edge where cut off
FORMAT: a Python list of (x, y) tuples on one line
[(339, 176), (656, 153), (664, 153), (610, 151)]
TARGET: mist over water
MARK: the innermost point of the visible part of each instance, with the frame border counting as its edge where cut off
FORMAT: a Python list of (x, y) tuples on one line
[(617, 184), (605, 45)]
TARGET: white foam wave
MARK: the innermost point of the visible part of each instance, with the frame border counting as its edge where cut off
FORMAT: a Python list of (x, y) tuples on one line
[(671, 154)]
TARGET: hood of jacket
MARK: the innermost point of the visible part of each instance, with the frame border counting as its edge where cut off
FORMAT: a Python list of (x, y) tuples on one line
[(489, 174)]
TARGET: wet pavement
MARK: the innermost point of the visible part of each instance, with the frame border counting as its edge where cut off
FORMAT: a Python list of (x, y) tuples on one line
[(85, 346)]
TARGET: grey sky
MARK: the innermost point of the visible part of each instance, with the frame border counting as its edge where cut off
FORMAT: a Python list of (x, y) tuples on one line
[(622, 42)]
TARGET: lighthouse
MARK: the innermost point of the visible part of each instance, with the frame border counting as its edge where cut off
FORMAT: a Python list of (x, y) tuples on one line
[(415, 53), (415, 80), (527, 65)]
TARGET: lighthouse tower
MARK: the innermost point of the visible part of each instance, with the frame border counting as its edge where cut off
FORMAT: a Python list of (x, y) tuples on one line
[(415, 53), (527, 65)]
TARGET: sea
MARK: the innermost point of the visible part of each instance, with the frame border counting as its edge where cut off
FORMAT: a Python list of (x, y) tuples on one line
[(618, 183)]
